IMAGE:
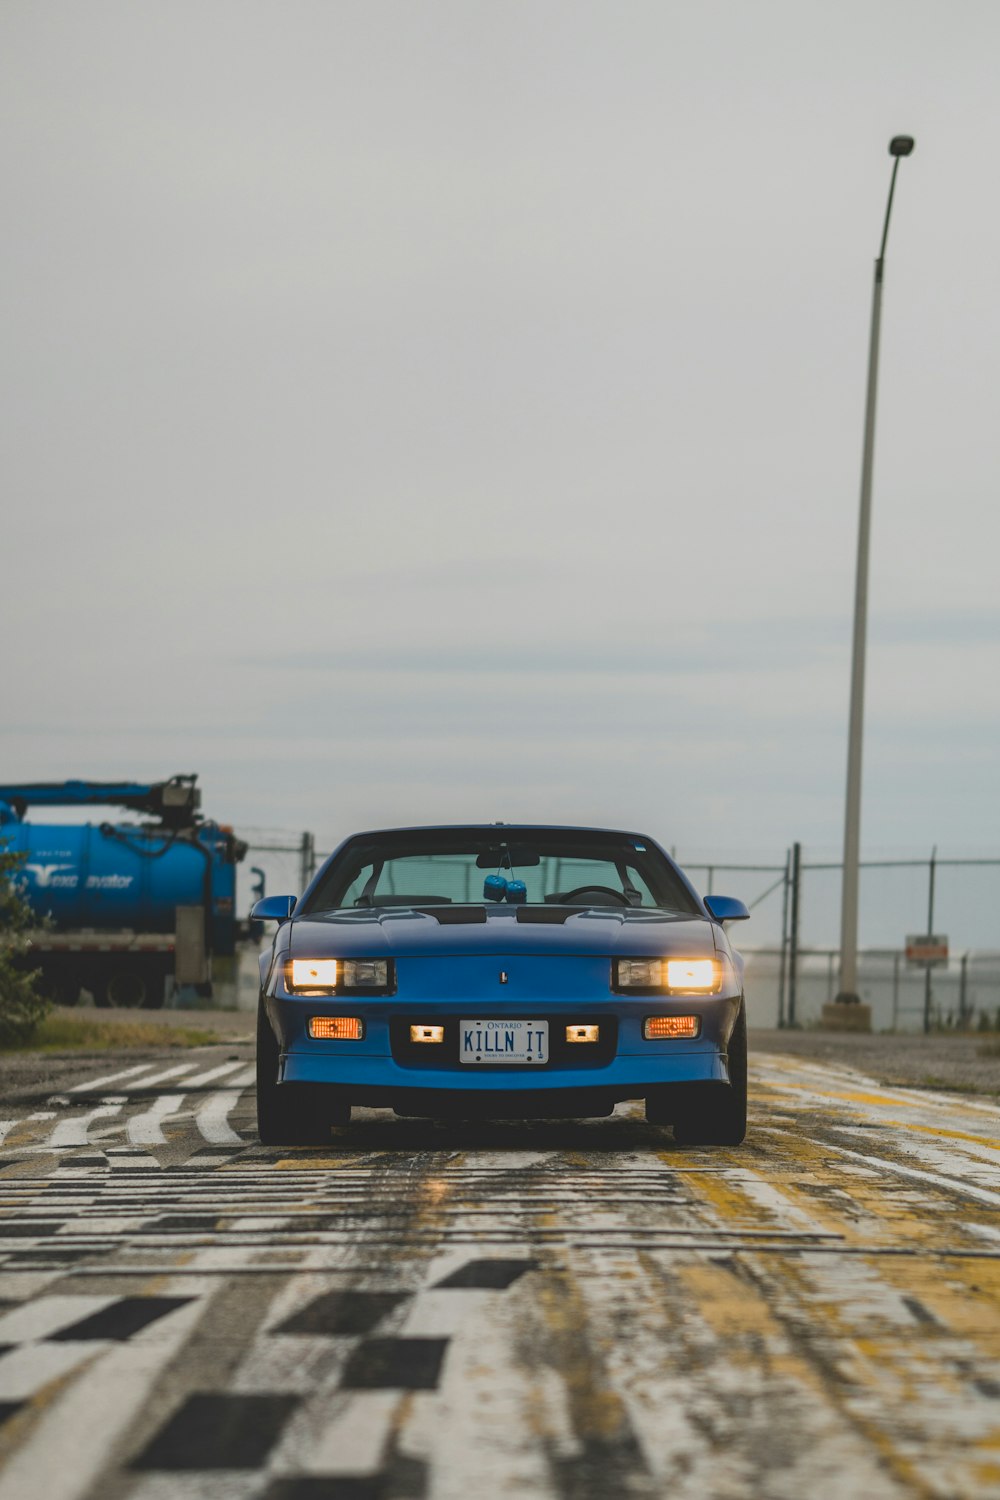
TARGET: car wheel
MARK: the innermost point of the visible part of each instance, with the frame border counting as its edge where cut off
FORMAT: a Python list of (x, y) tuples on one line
[(291, 1114), (717, 1115)]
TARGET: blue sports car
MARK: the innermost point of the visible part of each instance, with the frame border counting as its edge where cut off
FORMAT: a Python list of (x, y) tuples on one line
[(501, 970)]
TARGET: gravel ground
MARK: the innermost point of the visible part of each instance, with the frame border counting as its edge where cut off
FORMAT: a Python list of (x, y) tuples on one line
[(958, 1064)]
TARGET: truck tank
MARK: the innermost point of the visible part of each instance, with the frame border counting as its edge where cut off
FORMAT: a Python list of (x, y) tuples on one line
[(123, 906), (115, 876)]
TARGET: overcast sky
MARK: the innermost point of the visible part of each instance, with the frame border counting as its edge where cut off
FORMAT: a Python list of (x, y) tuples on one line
[(435, 411)]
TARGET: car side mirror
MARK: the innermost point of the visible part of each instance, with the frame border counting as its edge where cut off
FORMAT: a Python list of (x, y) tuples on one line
[(726, 909), (273, 909)]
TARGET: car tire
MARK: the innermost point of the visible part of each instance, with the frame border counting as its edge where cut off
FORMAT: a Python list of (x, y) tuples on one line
[(717, 1115), (290, 1114)]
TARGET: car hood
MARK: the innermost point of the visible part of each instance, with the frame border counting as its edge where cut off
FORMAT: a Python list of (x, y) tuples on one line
[(407, 933)]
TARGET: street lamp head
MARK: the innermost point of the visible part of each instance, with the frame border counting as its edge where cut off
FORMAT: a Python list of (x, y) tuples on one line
[(901, 145)]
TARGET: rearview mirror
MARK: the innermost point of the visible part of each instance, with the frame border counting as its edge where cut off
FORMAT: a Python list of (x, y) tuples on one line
[(726, 909), (273, 909), (515, 856)]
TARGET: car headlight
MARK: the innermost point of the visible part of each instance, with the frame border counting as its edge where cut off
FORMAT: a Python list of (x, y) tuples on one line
[(671, 976), (328, 976)]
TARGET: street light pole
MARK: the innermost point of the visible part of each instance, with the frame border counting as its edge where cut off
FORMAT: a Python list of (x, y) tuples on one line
[(900, 145)]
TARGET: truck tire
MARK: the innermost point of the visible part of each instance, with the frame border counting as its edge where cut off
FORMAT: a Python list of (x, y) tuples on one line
[(290, 1114), (131, 989), (61, 990), (717, 1113)]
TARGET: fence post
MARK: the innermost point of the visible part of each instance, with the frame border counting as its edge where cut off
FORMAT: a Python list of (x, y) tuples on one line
[(963, 1018), (782, 965), (793, 941), (307, 860), (930, 929), (895, 991)]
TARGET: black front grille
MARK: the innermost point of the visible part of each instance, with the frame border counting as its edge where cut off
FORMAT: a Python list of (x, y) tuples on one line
[(445, 1054)]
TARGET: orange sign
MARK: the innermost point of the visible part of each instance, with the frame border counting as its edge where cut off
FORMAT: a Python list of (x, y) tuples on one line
[(927, 950)]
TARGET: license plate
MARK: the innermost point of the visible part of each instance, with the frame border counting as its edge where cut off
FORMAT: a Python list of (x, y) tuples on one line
[(504, 1042)]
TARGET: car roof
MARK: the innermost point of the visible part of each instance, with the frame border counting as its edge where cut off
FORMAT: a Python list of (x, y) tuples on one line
[(494, 828)]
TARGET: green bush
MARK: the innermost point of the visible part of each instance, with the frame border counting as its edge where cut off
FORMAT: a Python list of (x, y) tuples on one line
[(22, 1004)]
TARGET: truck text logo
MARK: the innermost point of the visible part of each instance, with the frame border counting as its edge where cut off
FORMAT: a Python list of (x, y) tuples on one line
[(47, 877), (50, 878)]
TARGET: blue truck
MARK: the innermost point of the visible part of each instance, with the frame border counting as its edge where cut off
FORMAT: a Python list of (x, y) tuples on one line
[(124, 906)]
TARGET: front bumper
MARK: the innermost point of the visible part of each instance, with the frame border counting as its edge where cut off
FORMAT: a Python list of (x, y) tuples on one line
[(368, 1072)]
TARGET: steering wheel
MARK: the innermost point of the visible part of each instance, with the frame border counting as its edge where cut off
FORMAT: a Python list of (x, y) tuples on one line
[(572, 897)]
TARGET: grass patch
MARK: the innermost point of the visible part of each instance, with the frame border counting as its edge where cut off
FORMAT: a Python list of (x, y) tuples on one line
[(990, 1048), (61, 1033)]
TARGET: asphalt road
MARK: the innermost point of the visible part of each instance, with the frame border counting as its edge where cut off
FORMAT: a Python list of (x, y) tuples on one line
[(520, 1309)]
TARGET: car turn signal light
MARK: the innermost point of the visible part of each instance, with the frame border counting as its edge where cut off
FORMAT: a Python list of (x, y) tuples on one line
[(583, 1033), (670, 1028), (336, 1028)]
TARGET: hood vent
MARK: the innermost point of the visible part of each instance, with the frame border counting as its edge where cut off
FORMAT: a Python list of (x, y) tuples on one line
[(456, 916)]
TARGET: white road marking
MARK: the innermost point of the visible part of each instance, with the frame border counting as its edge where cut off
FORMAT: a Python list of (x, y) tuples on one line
[(883, 1164), (98, 1083), (74, 1132), (45, 1315), (985, 1231), (202, 1078), (147, 1083), (6, 1126), (131, 1159), (765, 1064), (354, 1442), (212, 1117), (147, 1129), (26, 1370), (73, 1439)]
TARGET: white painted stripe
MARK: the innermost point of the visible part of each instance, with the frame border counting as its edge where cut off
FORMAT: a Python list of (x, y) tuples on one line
[(212, 1117), (201, 1078), (6, 1126), (146, 1129), (919, 1099), (98, 1083), (130, 1158), (25, 1370), (354, 1442), (75, 1437), (146, 1083), (985, 1231), (74, 1132), (953, 1184), (45, 1315)]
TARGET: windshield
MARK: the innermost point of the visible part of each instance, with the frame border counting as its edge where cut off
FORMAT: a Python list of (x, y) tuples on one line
[(512, 866)]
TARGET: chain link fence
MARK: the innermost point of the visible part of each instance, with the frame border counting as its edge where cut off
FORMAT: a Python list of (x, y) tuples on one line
[(791, 942)]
